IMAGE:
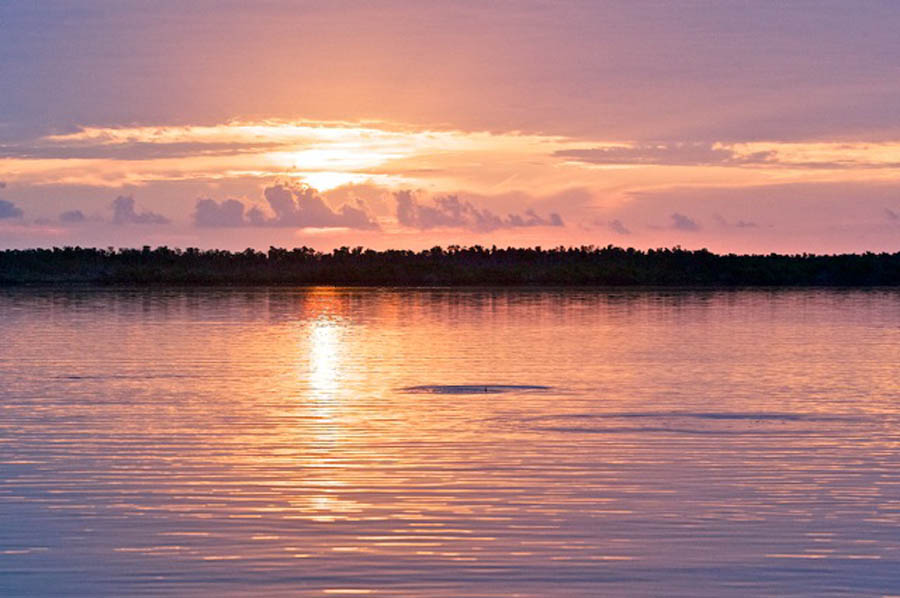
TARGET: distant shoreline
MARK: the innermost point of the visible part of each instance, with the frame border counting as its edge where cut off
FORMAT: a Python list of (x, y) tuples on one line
[(609, 267)]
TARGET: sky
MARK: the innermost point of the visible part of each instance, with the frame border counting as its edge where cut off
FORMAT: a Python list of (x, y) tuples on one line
[(737, 126)]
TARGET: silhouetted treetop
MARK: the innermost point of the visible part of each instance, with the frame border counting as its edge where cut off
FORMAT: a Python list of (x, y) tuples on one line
[(453, 265)]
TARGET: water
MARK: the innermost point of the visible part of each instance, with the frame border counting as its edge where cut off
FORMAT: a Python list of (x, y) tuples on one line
[(449, 443)]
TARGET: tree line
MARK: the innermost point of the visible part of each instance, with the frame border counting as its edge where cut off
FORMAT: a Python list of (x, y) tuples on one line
[(451, 266)]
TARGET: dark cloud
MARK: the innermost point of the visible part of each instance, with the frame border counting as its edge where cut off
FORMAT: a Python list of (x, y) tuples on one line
[(9, 210), (298, 207), (449, 211), (124, 213), (2, 184), (891, 214), (72, 217), (303, 206), (617, 227), (682, 222)]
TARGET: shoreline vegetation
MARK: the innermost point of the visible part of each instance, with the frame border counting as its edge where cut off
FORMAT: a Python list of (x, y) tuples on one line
[(450, 266)]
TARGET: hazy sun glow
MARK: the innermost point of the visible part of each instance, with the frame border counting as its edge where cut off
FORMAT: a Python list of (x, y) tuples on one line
[(589, 182), (330, 154)]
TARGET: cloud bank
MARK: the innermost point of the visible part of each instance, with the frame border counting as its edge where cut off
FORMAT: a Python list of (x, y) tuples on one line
[(449, 211), (290, 206)]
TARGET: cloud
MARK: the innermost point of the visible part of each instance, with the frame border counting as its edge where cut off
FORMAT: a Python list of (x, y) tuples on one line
[(682, 222), (449, 211), (124, 213), (617, 227), (2, 184), (72, 217), (666, 154), (131, 150), (891, 214), (290, 206), (721, 221), (9, 210), (211, 213), (758, 154)]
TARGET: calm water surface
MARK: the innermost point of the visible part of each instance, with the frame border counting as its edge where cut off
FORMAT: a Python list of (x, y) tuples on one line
[(449, 443)]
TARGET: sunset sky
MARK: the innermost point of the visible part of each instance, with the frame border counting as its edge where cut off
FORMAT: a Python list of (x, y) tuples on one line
[(733, 125)]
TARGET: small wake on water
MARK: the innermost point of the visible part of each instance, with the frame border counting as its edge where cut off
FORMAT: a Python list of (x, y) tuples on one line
[(472, 389)]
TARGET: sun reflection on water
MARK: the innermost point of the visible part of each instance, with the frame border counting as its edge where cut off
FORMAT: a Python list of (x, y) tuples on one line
[(325, 357)]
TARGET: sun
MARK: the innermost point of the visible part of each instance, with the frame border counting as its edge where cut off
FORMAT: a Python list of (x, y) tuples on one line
[(327, 180), (351, 157)]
